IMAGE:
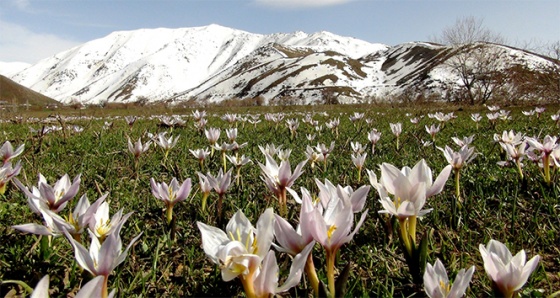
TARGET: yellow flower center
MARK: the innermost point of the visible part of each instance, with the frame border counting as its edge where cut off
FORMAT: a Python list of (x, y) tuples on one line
[(232, 266), (397, 202), (251, 247), (445, 287), (330, 231), (103, 228), (170, 194)]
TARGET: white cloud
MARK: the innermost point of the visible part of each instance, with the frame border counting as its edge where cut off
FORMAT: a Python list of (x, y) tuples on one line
[(22, 45), (300, 3)]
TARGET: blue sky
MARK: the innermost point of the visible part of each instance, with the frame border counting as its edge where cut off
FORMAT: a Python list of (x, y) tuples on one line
[(31, 30)]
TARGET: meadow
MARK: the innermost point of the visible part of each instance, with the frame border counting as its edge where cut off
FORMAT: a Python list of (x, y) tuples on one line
[(168, 260)]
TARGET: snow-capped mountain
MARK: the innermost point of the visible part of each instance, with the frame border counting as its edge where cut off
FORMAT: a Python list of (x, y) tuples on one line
[(9, 69), (214, 63), (159, 63)]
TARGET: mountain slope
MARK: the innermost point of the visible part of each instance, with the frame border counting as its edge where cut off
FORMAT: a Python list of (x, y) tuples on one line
[(14, 93), (158, 63), (214, 63)]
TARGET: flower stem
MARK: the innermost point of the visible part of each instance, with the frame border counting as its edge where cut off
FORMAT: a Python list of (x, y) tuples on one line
[(219, 208), (169, 214), (546, 168), (105, 290), (224, 160), (405, 236), (412, 228), (282, 201), (204, 199), (312, 275), (457, 186), (248, 286), (331, 257), (518, 162)]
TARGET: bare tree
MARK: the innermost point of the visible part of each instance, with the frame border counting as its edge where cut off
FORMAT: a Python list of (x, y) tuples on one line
[(467, 30), (475, 59)]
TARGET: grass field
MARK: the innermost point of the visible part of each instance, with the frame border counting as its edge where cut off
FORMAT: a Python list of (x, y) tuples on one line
[(496, 202)]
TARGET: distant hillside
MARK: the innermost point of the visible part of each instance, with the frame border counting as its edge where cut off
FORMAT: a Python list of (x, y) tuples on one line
[(14, 93), (212, 64)]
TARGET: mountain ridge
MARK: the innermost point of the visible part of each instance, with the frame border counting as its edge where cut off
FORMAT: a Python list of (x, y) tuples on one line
[(215, 63)]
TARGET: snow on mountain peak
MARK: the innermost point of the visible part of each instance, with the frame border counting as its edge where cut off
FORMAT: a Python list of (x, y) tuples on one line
[(215, 63), (160, 62)]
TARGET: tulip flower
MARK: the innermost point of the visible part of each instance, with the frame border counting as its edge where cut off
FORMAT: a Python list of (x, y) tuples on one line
[(331, 194), (138, 148), (359, 160), (238, 162), (465, 141), (198, 115), (509, 137), (54, 198), (333, 126), (539, 111), (410, 188), (516, 153), (294, 241), (325, 151), (556, 118), (7, 152), (102, 258), (266, 281), (332, 230), (458, 160), (528, 113), (432, 131), (171, 194), (396, 128), (356, 116), (205, 188), (240, 249), (373, 137), (437, 285), (278, 178), (544, 150), (313, 156), (102, 226), (220, 184), (284, 154), (231, 134), (293, 125), (92, 288), (212, 134), (508, 273), (234, 147), (55, 225), (166, 143), (476, 118), (7, 173), (244, 251), (201, 155), (270, 149), (130, 120), (230, 118), (357, 148), (224, 148)]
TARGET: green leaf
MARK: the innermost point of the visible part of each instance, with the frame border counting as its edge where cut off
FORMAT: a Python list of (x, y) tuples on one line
[(342, 281)]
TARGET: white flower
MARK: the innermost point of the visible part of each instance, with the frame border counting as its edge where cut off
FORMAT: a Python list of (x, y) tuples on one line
[(508, 272), (437, 285)]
